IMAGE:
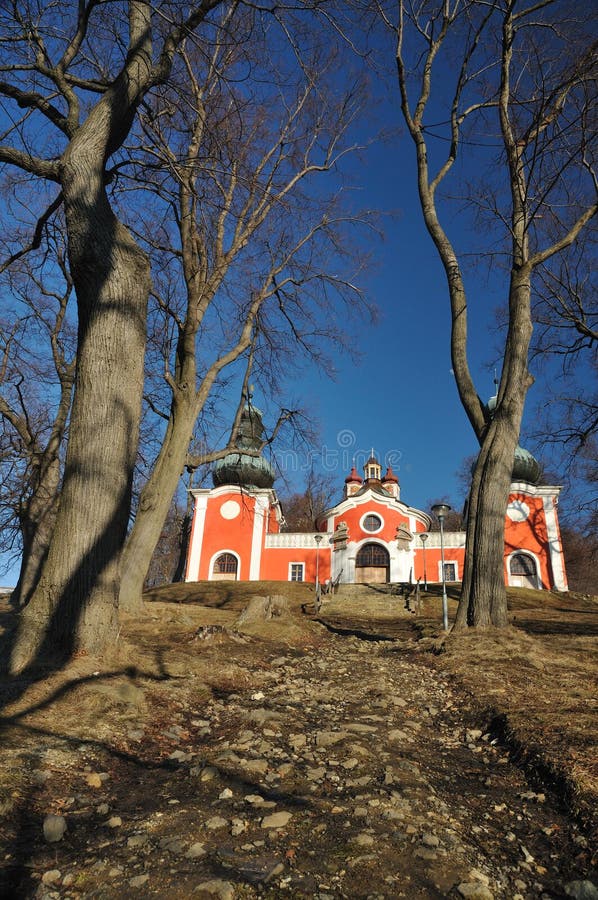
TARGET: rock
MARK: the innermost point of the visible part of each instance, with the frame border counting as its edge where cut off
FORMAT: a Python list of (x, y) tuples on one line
[(476, 875), (215, 823), (474, 890), (195, 851), (224, 890), (276, 820), (138, 881), (94, 780), (137, 840), (54, 828), (114, 822), (425, 853), (582, 890), (329, 738), (103, 809), (51, 877), (257, 766), (397, 735), (172, 844), (363, 840), (208, 773), (238, 827), (360, 728), (226, 794), (430, 840)]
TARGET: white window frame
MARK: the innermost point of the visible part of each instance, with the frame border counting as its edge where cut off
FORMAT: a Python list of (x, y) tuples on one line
[(215, 557), (364, 517), (297, 580), (536, 561), (448, 562)]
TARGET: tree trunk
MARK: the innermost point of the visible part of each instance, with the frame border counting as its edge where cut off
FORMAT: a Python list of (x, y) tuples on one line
[(75, 605), (155, 501), (483, 597), (37, 527)]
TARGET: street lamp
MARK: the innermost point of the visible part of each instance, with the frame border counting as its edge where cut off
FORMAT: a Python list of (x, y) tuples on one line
[(440, 510), (423, 538), (318, 540)]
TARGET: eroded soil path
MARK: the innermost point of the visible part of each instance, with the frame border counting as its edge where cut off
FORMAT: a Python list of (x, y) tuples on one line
[(344, 768)]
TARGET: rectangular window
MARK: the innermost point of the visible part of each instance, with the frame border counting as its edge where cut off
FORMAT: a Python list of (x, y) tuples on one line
[(450, 571), (296, 572)]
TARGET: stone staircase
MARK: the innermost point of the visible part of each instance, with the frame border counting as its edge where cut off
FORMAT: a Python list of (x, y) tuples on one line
[(366, 599)]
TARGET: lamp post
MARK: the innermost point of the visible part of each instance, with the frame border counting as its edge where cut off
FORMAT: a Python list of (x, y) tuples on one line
[(318, 540), (423, 538), (318, 604), (440, 510)]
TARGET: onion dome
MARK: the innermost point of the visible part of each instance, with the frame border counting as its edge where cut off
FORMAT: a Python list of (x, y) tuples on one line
[(525, 467), (390, 476), (353, 477), (241, 468)]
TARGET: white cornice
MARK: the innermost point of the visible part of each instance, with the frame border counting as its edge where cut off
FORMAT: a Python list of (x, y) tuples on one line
[(388, 502)]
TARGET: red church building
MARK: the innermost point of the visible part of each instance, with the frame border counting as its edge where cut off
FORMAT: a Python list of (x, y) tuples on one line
[(370, 536)]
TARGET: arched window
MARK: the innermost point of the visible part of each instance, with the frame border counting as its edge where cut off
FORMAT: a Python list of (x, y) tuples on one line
[(225, 566), (372, 555), (523, 571), (522, 564)]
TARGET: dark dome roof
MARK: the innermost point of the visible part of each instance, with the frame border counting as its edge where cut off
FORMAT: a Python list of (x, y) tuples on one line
[(525, 467), (242, 468)]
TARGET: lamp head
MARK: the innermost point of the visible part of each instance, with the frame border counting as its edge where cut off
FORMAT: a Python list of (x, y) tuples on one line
[(441, 510)]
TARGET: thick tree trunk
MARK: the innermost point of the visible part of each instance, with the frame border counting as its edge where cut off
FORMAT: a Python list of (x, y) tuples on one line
[(37, 527), (76, 602), (483, 595), (483, 598), (155, 501)]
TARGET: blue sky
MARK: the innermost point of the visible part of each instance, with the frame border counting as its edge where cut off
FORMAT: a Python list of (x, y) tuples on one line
[(401, 397)]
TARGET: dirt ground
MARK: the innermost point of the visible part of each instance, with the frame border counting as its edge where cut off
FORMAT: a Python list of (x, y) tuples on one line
[(353, 753)]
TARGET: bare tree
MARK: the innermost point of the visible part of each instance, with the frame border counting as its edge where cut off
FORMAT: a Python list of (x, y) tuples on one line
[(72, 82), (260, 241), (35, 402), (508, 89), (564, 354), (302, 509)]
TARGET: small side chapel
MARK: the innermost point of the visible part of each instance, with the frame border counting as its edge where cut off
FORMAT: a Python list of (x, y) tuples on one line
[(370, 536)]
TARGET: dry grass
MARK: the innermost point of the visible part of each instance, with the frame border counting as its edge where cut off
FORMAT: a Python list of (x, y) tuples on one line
[(537, 681)]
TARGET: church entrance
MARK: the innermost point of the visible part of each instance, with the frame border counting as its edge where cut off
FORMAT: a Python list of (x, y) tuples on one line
[(372, 565)]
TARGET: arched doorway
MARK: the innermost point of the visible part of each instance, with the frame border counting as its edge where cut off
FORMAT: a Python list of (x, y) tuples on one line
[(225, 567), (523, 571), (372, 564)]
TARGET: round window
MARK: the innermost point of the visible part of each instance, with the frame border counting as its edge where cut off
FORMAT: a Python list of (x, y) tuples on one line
[(371, 523)]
